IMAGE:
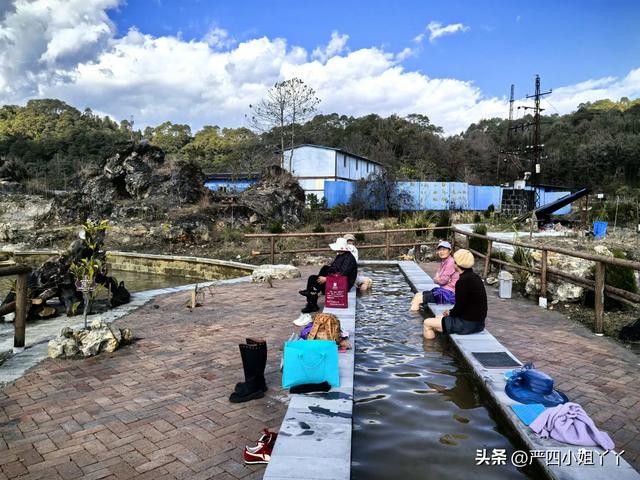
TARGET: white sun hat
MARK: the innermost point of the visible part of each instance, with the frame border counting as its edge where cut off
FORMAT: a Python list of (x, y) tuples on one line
[(340, 245)]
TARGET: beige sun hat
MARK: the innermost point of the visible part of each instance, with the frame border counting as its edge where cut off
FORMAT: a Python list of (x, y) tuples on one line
[(340, 245), (464, 258), (348, 237)]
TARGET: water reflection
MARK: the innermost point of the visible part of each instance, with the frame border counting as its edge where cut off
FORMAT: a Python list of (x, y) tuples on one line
[(417, 412)]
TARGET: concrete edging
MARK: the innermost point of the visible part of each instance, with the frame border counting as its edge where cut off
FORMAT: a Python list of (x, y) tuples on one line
[(493, 382), (315, 436)]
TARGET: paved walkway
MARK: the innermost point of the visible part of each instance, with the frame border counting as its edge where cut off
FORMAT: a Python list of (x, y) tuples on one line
[(596, 372), (158, 408)]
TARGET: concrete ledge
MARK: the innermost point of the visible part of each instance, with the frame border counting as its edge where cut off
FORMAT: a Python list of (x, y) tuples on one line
[(180, 265), (493, 382), (315, 436)]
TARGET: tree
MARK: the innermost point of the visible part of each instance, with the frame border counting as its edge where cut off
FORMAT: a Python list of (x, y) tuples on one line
[(170, 137), (286, 105)]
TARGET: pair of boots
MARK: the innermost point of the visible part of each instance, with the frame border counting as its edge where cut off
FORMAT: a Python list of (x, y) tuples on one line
[(312, 301), (254, 361)]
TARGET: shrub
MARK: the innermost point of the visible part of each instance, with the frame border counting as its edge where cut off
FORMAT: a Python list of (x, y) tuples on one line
[(318, 228), (276, 227), (620, 277), (479, 244), (489, 211), (444, 220), (359, 236), (522, 256), (476, 218)]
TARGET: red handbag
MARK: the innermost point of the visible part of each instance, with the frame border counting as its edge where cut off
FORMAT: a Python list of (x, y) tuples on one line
[(336, 292)]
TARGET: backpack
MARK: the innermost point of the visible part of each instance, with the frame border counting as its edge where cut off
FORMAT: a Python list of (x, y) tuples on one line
[(326, 326)]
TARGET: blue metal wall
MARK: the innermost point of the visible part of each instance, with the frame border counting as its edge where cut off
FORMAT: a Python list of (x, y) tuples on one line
[(440, 195)]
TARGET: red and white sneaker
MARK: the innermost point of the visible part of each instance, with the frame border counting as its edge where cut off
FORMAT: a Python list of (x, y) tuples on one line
[(266, 438), (259, 454)]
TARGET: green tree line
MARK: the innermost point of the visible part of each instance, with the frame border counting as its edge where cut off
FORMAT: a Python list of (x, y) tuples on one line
[(48, 141)]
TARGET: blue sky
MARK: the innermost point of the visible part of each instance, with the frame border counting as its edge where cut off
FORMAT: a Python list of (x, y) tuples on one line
[(507, 42), (204, 62)]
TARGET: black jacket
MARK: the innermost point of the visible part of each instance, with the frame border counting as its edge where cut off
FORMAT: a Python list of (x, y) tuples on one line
[(471, 298), (345, 264)]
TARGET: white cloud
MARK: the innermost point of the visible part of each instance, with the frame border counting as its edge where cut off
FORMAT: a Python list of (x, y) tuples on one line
[(77, 57), (436, 29), (336, 46), (218, 39)]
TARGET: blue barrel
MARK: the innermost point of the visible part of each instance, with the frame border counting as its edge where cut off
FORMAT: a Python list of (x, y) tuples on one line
[(600, 229)]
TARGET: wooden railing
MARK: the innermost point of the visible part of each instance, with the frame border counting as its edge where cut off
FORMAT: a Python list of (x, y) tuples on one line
[(597, 285), (20, 303), (387, 245), (545, 271)]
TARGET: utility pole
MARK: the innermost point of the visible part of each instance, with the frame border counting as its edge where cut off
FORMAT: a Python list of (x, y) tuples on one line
[(535, 147)]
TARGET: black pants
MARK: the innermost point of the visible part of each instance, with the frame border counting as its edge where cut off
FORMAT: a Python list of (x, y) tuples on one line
[(313, 286)]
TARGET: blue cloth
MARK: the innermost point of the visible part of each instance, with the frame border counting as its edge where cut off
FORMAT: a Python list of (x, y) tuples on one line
[(439, 295), (528, 413), (310, 361)]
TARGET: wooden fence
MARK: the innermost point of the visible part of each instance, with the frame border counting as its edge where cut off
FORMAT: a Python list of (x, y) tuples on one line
[(597, 285), (601, 290), (20, 303)]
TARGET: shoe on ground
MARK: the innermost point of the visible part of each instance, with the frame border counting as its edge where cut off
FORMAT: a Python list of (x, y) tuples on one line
[(266, 438), (304, 293), (260, 455)]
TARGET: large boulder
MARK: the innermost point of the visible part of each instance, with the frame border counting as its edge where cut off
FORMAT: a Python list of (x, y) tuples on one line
[(276, 197), (265, 273)]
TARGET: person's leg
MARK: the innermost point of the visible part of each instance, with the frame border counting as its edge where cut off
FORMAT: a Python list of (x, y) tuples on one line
[(430, 326), (416, 302)]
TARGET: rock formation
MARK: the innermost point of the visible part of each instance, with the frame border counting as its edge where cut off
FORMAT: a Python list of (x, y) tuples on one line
[(265, 273), (99, 337)]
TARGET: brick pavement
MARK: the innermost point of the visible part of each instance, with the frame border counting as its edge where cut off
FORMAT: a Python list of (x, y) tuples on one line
[(596, 372), (159, 408)]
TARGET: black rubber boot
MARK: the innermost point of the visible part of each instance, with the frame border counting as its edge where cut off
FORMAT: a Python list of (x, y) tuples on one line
[(252, 363), (263, 364), (312, 303)]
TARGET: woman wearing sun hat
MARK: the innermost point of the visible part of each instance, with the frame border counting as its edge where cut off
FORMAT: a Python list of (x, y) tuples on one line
[(344, 264), (470, 311), (446, 279)]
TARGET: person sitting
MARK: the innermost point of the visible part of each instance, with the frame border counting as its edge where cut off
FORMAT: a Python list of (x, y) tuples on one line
[(362, 283), (344, 264), (470, 310), (446, 278)]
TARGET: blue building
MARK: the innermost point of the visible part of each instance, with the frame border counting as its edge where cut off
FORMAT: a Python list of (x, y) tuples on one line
[(315, 165), (230, 183)]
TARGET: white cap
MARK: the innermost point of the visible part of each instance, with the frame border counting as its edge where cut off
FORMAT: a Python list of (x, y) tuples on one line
[(444, 244)]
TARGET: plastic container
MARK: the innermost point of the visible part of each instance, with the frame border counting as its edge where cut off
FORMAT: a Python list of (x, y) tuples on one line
[(506, 284), (600, 229)]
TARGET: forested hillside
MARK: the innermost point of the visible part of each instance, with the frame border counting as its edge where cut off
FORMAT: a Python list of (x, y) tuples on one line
[(46, 142)]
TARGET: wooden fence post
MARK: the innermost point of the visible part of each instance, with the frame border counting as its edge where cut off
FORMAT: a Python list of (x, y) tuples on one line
[(487, 260), (599, 291), (453, 239), (386, 245), (273, 250), (21, 311), (416, 252), (543, 275)]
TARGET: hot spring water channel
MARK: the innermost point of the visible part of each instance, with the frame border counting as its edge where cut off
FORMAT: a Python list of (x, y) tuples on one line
[(417, 410)]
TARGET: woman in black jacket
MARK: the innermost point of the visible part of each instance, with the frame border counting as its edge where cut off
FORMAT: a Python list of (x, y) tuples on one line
[(470, 310), (344, 264)]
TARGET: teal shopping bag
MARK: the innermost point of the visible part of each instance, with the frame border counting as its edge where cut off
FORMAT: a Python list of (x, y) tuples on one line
[(310, 361)]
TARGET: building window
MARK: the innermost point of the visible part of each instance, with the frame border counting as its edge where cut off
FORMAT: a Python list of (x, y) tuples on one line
[(356, 164), (367, 167), (344, 159)]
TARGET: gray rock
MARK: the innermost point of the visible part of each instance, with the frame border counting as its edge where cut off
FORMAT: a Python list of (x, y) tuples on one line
[(274, 272)]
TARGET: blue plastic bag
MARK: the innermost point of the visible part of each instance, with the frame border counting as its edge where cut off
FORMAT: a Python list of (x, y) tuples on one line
[(310, 361)]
